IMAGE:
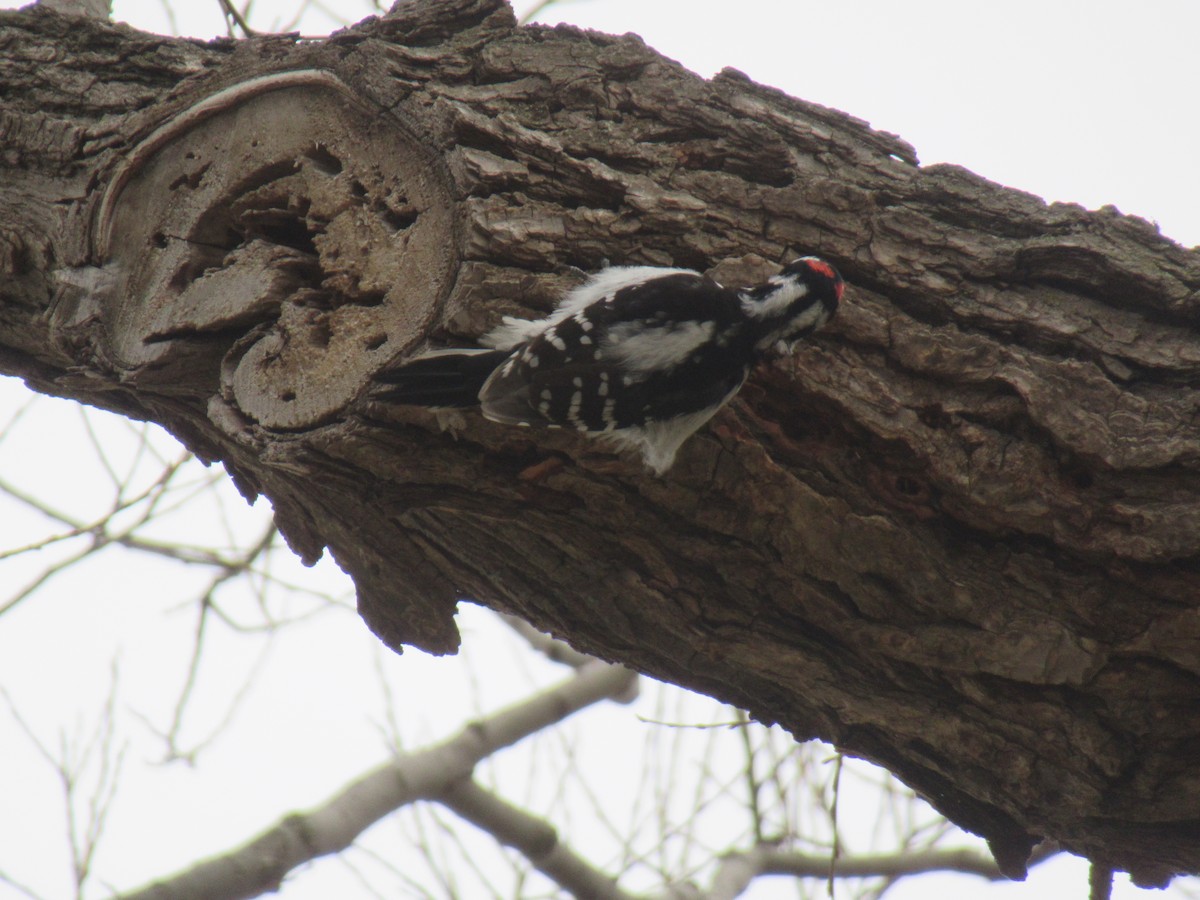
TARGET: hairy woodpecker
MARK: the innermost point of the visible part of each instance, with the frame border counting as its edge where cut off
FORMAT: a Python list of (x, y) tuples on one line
[(638, 355)]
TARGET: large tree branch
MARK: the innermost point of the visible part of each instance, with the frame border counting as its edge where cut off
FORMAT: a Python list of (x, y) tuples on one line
[(260, 865), (956, 535)]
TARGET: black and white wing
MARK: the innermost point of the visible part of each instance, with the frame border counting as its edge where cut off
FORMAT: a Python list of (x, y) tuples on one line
[(630, 346)]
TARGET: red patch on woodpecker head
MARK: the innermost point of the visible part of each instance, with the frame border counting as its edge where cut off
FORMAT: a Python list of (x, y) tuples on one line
[(825, 270), (819, 265)]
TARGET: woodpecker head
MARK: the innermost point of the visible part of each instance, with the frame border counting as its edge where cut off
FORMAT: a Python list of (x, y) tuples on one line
[(794, 303)]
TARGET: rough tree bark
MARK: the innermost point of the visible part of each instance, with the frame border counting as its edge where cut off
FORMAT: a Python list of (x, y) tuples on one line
[(957, 535)]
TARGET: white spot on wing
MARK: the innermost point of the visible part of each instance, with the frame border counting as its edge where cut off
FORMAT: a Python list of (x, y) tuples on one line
[(607, 413), (644, 350)]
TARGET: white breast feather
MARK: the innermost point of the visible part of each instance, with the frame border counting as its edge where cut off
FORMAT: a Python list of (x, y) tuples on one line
[(658, 442)]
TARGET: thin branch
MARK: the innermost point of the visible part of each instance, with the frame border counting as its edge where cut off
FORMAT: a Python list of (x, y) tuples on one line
[(46, 574), (432, 851), (303, 8), (17, 886), (9, 427), (536, 10), (107, 780), (101, 452), (412, 888), (389, 730), (836, 850), (261, 865), (231, 12), (98, 530), (168, 10), (534, 837), (120, 503), (439, 852), (753, 787), (72, 763), (737, 870)]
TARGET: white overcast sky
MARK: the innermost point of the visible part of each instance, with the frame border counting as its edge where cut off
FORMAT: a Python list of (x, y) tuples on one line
[(1087, 102)]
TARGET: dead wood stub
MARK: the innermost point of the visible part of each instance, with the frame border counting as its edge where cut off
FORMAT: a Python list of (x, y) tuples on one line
[(284, 213)]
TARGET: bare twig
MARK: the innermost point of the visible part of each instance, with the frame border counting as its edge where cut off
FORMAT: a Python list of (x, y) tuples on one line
[(21, 411), (101, 533), (836, 850), (49, 572), (108, 769), (324, 8), (231, 12), (98, 527), (412, 887), (753, 786), (168, 9), (738, 869), (98, 531), (17, 886), (536, 10), (77, 760), (171, 737)]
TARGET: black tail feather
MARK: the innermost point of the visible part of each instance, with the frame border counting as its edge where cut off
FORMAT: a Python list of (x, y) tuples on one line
[(443, 378)]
